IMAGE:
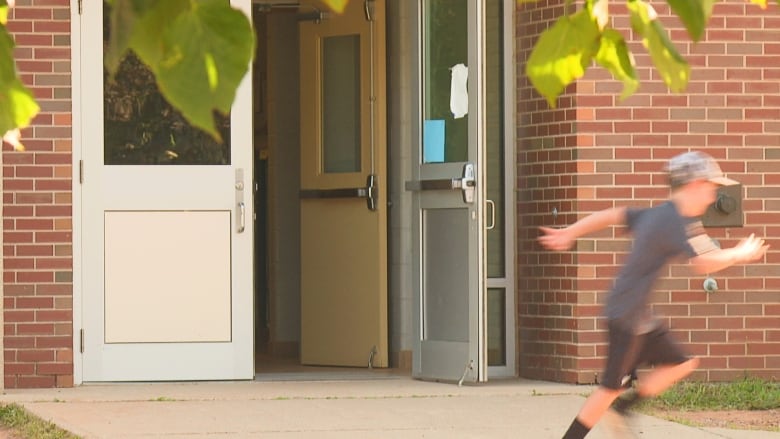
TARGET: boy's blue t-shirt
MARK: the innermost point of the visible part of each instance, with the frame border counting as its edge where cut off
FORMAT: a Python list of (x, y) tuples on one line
[(660, 234)]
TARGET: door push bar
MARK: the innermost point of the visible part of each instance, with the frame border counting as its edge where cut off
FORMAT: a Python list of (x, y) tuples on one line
[(369, 192), (467, 183)]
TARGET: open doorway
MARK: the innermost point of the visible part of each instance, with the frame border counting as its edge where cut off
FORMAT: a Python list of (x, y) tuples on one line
[(277, 183), (320, 259)]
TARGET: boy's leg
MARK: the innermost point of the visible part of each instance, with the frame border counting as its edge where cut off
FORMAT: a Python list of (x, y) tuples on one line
[(663, 377), (671, 365), (624, 348), (597, 403)]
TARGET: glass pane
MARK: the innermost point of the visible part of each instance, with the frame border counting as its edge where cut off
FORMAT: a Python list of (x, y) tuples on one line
[(341, 104), (445, 275), (496, 326), (494, 133), (141, 128), (445, 45)]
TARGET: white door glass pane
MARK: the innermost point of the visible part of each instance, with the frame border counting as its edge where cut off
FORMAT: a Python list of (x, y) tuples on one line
[(142, 128)]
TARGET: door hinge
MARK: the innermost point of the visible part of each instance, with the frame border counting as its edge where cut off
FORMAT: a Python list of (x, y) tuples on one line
[(81, 341), (80, 9), (81, 171)]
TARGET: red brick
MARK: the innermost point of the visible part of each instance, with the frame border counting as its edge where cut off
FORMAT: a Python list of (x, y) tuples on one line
[(33, 382), (35, 355), (19, 368), (727, 349), (761, 322), (745, 336), (746, 362), (54, 368), (763, 349)]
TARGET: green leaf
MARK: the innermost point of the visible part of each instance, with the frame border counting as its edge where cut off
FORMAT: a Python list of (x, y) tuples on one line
[(203, 55), (615, 56), (3, 12), (674, 70), (153, 19), (137, 24), (562, 54), (17, 104), (694, 14)]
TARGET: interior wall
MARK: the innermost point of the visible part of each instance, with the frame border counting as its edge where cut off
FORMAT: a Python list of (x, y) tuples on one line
[(284, 182)]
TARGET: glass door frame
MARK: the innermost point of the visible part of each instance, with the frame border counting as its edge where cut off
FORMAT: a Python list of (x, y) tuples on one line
[(508, 282)]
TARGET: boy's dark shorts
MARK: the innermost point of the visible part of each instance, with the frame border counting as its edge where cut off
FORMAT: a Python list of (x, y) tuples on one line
[(627, 351)]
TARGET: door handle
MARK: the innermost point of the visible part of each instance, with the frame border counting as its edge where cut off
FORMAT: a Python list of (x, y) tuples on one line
[(369, 192), (467, 183), (492, 214), (241, 217), (240, 206)]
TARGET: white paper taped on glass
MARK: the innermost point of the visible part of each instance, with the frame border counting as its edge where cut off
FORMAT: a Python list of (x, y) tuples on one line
[(459, 96)]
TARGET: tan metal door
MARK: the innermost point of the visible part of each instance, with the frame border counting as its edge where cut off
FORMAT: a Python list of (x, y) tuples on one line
[(343, 185)]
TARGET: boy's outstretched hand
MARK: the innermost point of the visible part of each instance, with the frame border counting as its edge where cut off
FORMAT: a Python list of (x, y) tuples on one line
[(556, 239), (750, 249)]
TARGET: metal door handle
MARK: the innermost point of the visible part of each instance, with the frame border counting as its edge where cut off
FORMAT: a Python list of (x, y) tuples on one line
[(241, 217), (370, 193), (492, 214), (467, 183)]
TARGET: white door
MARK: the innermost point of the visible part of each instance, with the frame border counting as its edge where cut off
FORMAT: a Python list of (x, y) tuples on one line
[(449, 195), (167, 230)]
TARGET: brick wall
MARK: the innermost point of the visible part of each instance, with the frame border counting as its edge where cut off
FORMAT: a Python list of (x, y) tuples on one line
[(613, 155), (547, 181), (37, 203)]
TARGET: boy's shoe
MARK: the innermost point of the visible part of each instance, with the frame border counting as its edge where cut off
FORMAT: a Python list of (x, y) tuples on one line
[(618, 424)]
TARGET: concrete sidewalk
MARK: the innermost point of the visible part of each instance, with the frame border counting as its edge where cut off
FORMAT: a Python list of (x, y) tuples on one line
[(387, 407)]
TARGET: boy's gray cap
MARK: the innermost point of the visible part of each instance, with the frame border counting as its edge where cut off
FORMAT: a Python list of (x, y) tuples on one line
[(695, 165)]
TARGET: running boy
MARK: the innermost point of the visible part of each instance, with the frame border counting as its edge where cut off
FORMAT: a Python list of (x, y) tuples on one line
[(661, 234)]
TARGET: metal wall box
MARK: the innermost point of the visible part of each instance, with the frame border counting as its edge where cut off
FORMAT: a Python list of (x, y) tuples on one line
[(726, 211)]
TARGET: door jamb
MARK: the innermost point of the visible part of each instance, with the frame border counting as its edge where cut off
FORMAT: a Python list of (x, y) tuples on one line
[(77, 38)]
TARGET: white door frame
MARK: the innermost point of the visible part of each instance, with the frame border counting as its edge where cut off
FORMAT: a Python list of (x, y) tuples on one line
[(77, 123)]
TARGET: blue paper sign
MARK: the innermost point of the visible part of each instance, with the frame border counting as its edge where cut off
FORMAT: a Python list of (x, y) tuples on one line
[(433, 141)]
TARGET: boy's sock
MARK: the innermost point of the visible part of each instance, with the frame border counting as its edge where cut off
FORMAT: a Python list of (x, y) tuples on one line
[(627, 400), (576, 430)]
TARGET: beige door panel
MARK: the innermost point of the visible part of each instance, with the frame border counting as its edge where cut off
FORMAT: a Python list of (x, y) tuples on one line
[(343, 146)]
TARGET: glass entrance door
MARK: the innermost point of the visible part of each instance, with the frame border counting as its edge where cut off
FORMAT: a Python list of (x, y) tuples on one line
[(464, 295), (448, 185)]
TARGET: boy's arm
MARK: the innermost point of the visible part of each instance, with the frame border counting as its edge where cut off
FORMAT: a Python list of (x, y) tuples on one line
[(563, 239), (749, 249)]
